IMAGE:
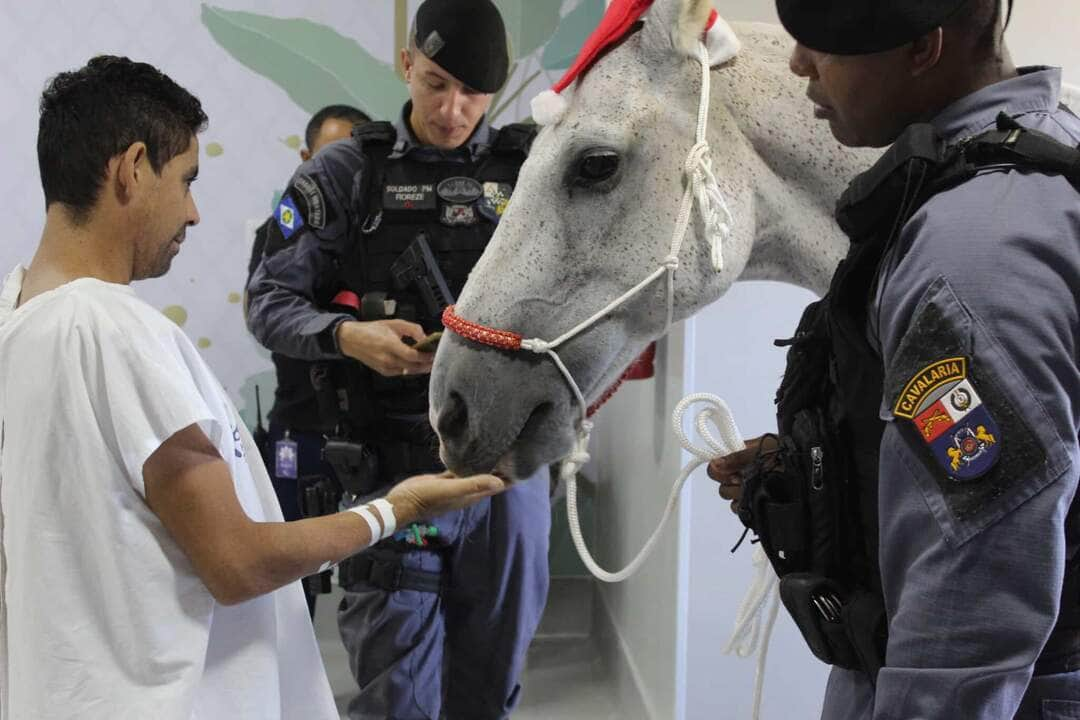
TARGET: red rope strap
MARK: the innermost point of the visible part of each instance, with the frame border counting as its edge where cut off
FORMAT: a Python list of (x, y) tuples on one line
[(502, 339), (506, 340), (605, 397)]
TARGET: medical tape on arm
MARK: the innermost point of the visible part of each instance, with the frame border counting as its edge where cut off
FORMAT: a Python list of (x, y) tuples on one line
[(367, 511)]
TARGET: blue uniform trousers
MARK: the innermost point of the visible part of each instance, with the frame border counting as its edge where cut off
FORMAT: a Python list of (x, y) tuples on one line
[(456, 654)]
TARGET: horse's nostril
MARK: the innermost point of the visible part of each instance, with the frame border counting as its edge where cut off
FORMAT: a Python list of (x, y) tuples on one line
[(454, 417), (539, 415)]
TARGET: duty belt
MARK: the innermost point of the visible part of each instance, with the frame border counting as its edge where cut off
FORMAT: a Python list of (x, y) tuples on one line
[(385, 571)]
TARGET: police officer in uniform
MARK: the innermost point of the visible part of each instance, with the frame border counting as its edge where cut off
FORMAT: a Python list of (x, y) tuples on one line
[(918, 500), (295, 411), (371, 240)]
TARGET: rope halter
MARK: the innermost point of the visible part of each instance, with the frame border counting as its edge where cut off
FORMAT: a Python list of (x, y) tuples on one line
[(700, 187)]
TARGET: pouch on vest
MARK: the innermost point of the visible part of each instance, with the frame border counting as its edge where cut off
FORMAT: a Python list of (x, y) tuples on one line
[(795, 500), (798, 501)]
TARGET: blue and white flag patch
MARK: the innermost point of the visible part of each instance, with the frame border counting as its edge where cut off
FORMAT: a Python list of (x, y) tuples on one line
[(288, 217)]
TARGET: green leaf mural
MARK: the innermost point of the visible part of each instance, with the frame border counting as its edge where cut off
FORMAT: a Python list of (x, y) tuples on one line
[(571, 34), (529, 23), (314, 64)]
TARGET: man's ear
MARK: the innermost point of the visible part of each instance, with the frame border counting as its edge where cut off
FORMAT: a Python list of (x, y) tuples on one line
[(131, 168), (406, 64), (925, 53), (305, 154)]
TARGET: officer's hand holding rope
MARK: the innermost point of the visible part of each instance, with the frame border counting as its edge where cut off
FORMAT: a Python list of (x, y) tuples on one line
[(727, 470)]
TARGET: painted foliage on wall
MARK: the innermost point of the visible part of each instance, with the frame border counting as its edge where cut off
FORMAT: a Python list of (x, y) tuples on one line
[(313, 62)]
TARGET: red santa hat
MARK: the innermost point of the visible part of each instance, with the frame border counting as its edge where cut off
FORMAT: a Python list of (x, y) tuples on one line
[(549, 106)]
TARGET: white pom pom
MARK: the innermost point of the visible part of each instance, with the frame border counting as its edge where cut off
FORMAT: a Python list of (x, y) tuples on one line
[(548, 107), (721, 42)]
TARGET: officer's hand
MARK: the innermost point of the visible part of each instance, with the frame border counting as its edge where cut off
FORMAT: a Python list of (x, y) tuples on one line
[(726, 470), (378, 345), (427, 496)]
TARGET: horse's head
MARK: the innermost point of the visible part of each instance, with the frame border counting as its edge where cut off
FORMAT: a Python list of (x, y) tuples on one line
[(592, 215)]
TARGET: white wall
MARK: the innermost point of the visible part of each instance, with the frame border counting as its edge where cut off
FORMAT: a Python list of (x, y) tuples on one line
[(636, 463), (730, 344)]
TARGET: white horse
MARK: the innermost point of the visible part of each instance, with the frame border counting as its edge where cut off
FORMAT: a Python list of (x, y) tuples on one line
[(592, 215)]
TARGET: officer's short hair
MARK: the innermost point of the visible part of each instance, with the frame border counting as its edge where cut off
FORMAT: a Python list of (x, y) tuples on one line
[(979, 20), (90, 115), (335, 112)]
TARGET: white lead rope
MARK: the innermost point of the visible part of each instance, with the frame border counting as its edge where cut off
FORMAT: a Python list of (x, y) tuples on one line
[(716, 412), (753, 625)]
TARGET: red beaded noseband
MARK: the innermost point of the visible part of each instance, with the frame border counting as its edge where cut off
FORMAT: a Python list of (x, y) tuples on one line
[(640, 369), (502, 339)]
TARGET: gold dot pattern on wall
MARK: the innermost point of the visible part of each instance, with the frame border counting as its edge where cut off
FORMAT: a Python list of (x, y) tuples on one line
[(176, 313), (234, 298), (203, 343), (214, 149), (292, 142)]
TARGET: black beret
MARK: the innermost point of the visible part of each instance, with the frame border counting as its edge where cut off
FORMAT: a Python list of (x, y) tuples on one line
[(859, 27), (467, 38)]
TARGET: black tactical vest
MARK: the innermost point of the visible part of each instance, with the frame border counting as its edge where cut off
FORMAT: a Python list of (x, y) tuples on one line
[(813, 503), (451, 208)]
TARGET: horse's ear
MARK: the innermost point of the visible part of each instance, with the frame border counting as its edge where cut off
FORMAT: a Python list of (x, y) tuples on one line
[(676, 25)]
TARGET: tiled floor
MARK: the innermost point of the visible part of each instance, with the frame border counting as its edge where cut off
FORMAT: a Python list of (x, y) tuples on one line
[(563, 681)]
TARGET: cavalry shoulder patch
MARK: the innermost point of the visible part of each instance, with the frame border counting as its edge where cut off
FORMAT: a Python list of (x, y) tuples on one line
[(496, 197), (951, 418), (288, 217), (420, 196), (948, 382), (313, 199)]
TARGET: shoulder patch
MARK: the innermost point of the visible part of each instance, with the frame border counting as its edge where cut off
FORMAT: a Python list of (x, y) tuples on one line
[(315, 204), (949, 387), (951, 418), (288, 217)]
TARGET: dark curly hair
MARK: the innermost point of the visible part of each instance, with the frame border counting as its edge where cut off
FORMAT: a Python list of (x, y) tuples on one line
[(91, 115)]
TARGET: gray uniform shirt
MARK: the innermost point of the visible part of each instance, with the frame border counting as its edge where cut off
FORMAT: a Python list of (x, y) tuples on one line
[(281, 309), (972, 571)]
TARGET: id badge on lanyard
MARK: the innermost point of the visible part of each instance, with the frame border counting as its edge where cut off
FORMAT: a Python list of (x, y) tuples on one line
[(285, 458)]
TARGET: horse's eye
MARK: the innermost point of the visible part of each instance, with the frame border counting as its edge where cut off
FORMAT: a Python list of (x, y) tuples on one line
[(596, 166)]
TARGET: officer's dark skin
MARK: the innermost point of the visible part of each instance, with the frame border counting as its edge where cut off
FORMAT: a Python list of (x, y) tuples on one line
[(868, 100), (725, 470), (445, 112)]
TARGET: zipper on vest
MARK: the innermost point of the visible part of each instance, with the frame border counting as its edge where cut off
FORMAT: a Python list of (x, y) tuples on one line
[(817, 474)]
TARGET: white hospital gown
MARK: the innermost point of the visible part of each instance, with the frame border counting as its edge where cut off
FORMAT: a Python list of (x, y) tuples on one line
[(101, 613)]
